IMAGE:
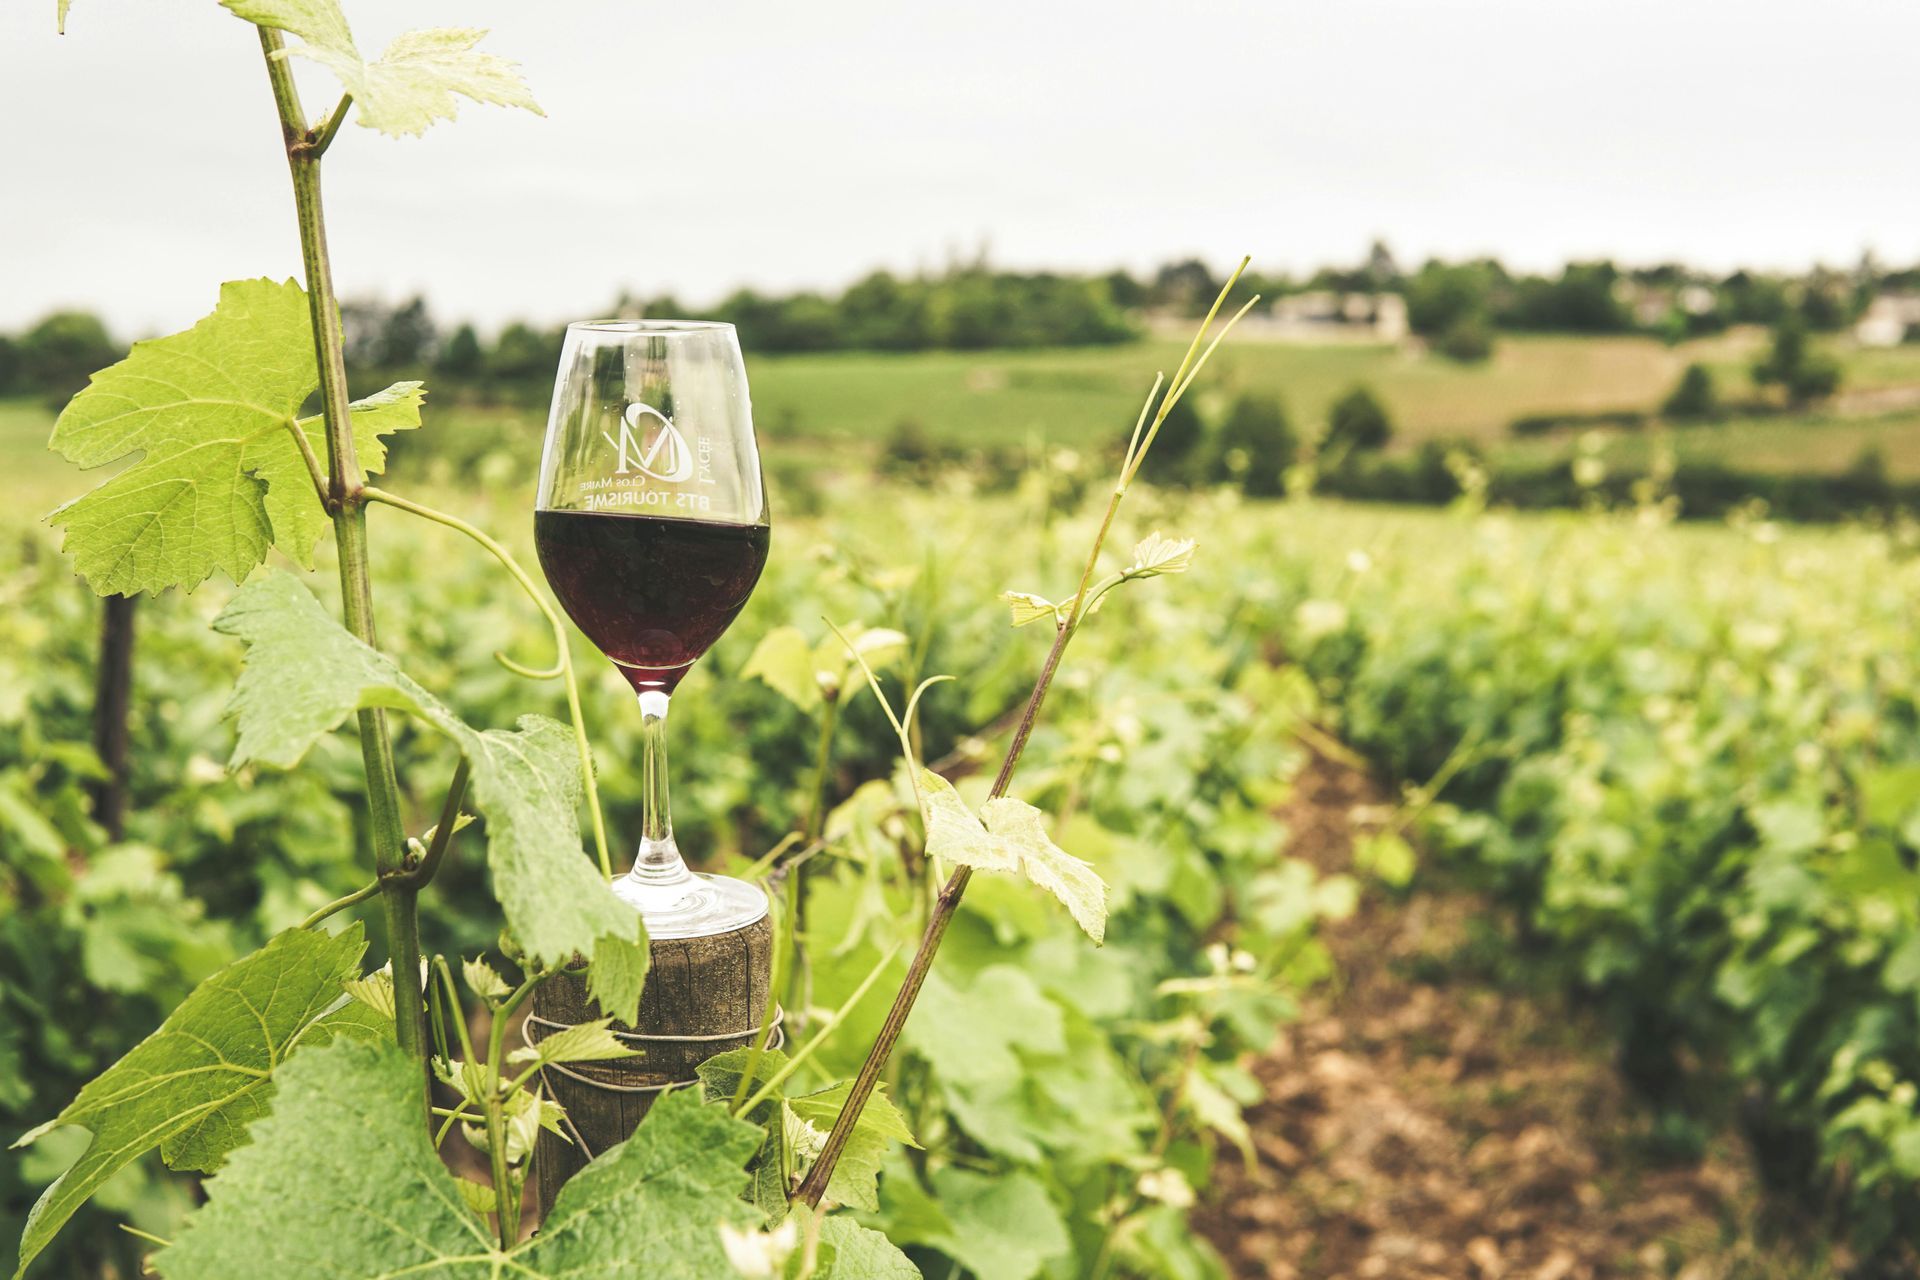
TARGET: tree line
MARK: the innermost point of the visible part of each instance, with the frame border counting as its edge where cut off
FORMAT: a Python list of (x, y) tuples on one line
[(1456, 307)]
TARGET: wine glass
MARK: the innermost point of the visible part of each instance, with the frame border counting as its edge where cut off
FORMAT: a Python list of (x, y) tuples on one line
[(652, 526)]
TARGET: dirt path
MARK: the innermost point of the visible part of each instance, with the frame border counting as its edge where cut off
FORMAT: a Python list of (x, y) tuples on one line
[(1423, 1120)]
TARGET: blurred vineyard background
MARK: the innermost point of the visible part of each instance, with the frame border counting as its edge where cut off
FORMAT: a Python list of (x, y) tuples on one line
[(1512, 819)]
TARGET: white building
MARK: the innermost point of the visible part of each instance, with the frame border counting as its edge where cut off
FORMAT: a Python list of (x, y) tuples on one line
[(1887, 320)]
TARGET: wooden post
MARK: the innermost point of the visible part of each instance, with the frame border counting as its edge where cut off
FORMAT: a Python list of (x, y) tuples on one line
[(712, 990), (112, 704)]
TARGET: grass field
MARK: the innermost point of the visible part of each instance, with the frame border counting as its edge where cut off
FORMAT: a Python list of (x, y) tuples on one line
[(1075, 396), (820, 407)]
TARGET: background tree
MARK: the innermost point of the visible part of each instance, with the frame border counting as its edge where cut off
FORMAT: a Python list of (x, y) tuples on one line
[(1791, 364), (57, 355), (1467, 340), (1185, 287), (1179, 450), (462, 356), (1443, 295), (1253, 447), (1582, 300), (407, 336), (1693, 397), (524, 352), (1356, 422)]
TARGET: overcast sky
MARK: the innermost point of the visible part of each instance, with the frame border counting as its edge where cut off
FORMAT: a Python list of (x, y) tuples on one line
[(696, 145)]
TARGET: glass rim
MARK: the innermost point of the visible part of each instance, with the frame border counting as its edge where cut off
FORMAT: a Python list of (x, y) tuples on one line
[(651, 328)]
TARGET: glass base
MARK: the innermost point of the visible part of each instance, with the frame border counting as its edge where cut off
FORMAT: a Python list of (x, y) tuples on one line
[(693, 906)]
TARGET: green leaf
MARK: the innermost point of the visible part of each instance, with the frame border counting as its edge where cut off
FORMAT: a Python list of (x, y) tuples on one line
[(969, 1034), (305, 674), (193, 1086), (1155, 555), (298, 519), (346, 1175), (209, 409), (409, 86), (994, 1225), (375, 991), (477, 1196), (768, 1171), (853, 1182), (1388, 855), (483, 980), (855, 1179), (212, 412), (784, 660), (849, 1251), (1013, 837), (1213, 1107), (583, 1042), (955, 834), (1027, 607), (1046, 864), (1888, 795)]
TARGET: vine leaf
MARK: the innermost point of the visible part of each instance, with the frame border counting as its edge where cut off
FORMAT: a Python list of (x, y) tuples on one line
[(849, 1251), (1001, 1226), (1155, 555), (299, 521), (211, 410), (348, 1176), (807, 674), (409, 86), (784, 661), (305, 674), (585, 1042), (977, 1034), (1026, 607), (854, 1180), (192, 1087), (1011, 836)]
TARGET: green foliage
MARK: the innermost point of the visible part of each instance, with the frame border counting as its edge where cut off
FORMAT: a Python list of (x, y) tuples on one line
[(212, 411), (1690, 767), (344, 1145), (1010, 836), (54, 357), (1357, 422), (1177, 457), (1792, 364), (305, 674), (796, 1126), (1468, 340), (462, 357), (192, 1088), (408, 87), (1441, 297), (1582, 300), (1252, 447), (1693, 398), (1004, 1227)]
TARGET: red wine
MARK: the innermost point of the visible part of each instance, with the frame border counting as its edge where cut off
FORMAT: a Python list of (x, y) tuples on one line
[(652, 593)]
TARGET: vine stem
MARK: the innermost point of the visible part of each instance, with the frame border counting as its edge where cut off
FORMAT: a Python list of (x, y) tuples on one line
[(340, 904), (506, 1197), (344, 480), (799, 972), (563, 662), (815, 1184)]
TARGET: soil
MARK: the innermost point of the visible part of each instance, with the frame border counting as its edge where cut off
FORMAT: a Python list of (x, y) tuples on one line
[(1425, 1119)]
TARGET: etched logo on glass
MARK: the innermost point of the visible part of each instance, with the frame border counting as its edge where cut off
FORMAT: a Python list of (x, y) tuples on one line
[(658, 450)]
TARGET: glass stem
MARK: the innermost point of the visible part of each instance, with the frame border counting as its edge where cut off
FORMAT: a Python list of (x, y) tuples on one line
[(659, 861)]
